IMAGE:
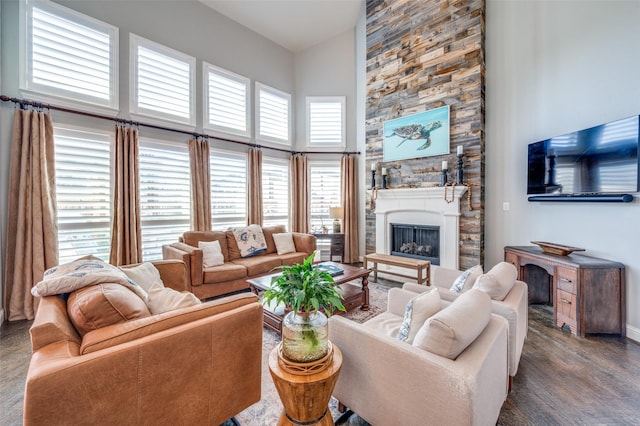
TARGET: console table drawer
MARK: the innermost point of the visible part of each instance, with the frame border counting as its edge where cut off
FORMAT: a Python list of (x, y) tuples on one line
[(566, 310), (567, 279)]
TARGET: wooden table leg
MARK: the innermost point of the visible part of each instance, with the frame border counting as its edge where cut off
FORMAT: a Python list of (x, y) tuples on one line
[(365, 290)]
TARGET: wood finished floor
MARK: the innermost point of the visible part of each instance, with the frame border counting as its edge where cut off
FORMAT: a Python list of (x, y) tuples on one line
[(561, 380)]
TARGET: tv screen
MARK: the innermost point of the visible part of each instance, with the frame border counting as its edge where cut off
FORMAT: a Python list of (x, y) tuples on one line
[(599, 160)]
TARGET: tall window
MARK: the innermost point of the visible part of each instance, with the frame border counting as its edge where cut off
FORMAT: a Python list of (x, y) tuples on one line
[(228, 189), (226, 101), (162, 82), (68, 55), (275, 191), (273, 115), (325, 192), (326, 121), (83, 186), (165, 195)]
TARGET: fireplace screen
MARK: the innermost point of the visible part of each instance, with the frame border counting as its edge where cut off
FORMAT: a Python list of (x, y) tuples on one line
[(417, 241)]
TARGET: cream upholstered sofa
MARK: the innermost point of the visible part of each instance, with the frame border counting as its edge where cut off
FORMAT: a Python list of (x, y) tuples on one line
[(192, 365), (232, 275), (514, 308), (387, 381)]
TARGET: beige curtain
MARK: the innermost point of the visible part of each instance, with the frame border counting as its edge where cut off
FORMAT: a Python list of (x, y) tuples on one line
[(126, 239), (254, 187), (200, 185), (349, 202), (299, 170), (32, 235)]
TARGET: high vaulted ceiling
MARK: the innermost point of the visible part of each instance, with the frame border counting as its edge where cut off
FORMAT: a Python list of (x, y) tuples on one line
[(294, 24)]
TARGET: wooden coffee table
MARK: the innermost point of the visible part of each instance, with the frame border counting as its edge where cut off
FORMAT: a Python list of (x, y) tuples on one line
[(354, 294)]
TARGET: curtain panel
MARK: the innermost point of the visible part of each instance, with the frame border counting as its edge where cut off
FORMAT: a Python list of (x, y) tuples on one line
[(32, 234), (254, 187), (300, 187), (200, 184), (126, 235), (349, 202)]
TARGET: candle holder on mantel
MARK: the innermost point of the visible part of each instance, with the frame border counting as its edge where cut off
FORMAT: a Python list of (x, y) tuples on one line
[(373, 179), (443, 177), (460, 171), (384, 181)]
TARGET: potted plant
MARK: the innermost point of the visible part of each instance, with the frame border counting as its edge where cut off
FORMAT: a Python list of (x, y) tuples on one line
[(308, 292)]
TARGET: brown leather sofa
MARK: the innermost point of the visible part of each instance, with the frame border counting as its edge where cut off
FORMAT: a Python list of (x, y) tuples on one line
[(195, 365), (232, 276)]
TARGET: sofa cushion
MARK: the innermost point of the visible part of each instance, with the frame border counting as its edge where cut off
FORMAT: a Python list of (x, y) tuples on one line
[(416, 313), (284, 243), (260, 264), (268, 232), (498, 282), (386, 323), (193, 237), (211, 253), (229, 271), (250, 240), (162, 299), (450, 331), (292, 258), (105, 304), (144, 274), (465, 280)]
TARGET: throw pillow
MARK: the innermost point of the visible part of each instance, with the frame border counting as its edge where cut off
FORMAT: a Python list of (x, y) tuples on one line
[(499, 281), (465, 280), (450, 331), (164, 299), (416, 313), (211, 253), (100, 305), (250, 240), (144, 274), (284, 243)]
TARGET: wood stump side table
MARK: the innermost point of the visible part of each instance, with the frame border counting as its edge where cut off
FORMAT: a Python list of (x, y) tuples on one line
[(305, 397)]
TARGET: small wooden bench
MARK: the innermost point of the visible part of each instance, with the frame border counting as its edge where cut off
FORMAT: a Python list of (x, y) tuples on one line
[(422, 267)]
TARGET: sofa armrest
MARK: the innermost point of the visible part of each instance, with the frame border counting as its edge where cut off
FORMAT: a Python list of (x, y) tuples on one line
[(515, 309), (52, 324), (191, 256), (174, 274), (305, 243), (443, 277), (398, 299)]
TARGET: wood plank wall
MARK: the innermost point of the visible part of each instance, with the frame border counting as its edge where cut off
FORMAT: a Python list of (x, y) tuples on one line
[(424, 54)]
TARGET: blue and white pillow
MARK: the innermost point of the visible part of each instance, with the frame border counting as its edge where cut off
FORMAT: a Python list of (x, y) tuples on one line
[(465, 280), (418, 309)]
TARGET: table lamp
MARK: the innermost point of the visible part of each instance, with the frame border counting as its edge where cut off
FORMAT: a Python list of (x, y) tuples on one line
[(336, 214)]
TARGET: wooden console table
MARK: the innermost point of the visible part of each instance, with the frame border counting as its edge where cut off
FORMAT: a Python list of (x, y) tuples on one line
[(588, 294)]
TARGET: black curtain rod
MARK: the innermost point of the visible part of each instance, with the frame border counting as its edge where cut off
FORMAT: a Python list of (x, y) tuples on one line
[(23, 102)]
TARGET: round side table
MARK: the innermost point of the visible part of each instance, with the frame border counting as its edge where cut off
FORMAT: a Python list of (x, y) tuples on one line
[(305, 397)]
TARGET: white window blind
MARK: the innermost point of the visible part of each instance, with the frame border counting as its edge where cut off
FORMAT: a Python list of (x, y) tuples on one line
[(228, 189), (274, 115), (325, 192), (227, 101), (326, 121), (162, 82), (275, 192), (83, 186), (69, 55), (165, 195)]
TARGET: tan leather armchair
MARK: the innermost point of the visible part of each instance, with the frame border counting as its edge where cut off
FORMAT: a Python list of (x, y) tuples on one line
[(196, 365)]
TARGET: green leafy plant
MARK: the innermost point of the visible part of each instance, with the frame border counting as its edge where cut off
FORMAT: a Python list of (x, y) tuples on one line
[(304, 288)]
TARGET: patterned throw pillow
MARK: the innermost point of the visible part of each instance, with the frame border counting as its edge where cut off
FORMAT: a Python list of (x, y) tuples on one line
[(250, 240), (465, 281), (416, 313)]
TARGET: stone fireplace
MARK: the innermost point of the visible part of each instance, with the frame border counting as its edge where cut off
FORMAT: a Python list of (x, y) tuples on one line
[(429, 207)]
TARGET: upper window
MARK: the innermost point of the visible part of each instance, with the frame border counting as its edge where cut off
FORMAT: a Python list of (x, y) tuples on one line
[(273, 115), (162, 82), (228, 189), (68, 56), (226, 106), (275, 192), (165, 195), (325, 192), (326, 121)]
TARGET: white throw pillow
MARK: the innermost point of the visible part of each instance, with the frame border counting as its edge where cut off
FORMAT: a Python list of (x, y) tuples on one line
[(465, 280), (284, 243), (163, 299), (416, 313), (145, 275), (499, 281), (211, 253)]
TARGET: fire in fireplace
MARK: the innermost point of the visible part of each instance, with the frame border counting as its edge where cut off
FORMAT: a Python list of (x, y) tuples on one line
[(417, 241)]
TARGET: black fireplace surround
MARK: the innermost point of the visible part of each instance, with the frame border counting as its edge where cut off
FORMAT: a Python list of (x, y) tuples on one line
[(416, 241)]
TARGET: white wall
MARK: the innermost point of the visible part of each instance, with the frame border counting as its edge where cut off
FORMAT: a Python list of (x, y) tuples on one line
[(555, 67)]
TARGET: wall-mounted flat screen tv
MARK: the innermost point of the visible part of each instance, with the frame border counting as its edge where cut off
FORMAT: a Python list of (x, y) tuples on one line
[(596, 161)]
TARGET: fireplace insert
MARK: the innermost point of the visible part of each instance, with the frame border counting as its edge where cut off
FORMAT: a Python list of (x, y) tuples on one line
[(417, 241)]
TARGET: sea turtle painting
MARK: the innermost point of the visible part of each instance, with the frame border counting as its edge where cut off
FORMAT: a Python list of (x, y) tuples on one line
[(416, 131)]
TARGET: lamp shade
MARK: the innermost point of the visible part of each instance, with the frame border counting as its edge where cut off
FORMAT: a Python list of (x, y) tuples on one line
[(336, 212)]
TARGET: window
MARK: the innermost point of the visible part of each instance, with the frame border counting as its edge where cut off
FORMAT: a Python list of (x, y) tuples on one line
[(227, 101), (83, 186), (326, 121), (228, 189), (275, 191), (68, 55), (165, 195), (162, 82), (273, 115), (325, 192)]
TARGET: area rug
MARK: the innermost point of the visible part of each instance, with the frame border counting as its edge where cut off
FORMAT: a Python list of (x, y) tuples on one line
[(268, 410)]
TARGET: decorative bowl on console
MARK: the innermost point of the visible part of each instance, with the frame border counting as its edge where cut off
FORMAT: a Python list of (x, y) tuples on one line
[(554, 248)]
